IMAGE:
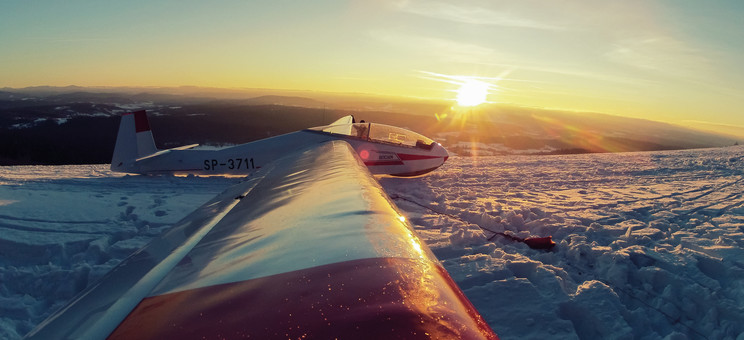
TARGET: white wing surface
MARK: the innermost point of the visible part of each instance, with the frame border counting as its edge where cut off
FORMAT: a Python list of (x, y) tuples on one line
[(309, 247)]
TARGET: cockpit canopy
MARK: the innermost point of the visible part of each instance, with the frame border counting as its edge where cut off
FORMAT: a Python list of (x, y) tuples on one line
[(373, 132)]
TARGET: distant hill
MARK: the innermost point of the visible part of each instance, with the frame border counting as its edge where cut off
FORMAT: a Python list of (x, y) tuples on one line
[(74, 125), (549, 131), (282, 100)]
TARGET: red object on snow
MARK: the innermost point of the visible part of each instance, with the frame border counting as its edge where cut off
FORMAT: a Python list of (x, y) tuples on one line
[(540, 242)]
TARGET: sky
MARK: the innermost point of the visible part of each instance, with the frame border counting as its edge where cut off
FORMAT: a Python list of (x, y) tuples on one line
[(676, 61)]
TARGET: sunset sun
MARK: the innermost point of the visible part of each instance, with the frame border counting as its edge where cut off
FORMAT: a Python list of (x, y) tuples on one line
[(472, 92)]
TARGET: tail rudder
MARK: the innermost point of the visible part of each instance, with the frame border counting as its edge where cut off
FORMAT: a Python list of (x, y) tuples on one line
[(133, 141)]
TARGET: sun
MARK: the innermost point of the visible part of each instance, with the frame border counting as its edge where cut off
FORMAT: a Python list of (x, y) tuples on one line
[(472, 92)]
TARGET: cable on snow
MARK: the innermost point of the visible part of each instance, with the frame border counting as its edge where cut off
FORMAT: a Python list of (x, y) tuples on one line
[(545, 243), (548, 246)]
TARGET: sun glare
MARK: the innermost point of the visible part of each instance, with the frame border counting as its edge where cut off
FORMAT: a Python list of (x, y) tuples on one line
[(472, 92)]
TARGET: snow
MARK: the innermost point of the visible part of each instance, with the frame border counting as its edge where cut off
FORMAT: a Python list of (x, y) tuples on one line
[(490, 149), (649, 245), (63, 227)]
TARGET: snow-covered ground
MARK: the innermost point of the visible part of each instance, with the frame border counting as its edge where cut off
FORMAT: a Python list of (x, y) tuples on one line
[(649, 245)]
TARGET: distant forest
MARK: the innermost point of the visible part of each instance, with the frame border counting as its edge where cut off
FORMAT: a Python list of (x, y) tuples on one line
[(90, 139), (53, 131)]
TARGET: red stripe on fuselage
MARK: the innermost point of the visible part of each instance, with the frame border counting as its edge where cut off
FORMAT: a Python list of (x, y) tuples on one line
[(379, 298), (371, 163), (402, 157), (410, 157)]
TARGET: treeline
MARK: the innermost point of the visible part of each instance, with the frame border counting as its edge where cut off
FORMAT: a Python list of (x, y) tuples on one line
[(78, 141), (91, 139), (51, 130)]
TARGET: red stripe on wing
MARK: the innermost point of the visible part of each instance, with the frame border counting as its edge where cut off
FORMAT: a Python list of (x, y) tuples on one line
[(378, 298)]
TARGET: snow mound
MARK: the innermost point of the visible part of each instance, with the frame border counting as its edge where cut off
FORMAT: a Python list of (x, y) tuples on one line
[(649, 245), (63, 227)]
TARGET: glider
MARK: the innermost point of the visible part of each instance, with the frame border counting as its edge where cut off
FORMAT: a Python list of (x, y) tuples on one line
[(384, 149), (310, 246)]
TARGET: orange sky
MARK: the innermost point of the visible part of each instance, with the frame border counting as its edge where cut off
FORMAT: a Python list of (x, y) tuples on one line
[(674, 61)]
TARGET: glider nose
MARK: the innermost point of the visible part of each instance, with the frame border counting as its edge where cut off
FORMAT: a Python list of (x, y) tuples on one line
[(440, 151)]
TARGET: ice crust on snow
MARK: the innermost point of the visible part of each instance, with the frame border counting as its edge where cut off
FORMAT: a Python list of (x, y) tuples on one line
[(63, 227), (649, 245)]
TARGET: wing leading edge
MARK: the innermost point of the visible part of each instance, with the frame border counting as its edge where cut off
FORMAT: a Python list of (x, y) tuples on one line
[(310, 247)]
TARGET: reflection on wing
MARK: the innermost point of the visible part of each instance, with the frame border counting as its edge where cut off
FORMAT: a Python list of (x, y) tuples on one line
[(310, 247)]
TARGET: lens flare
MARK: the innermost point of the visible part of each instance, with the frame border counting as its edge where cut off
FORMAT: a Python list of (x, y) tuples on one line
[(364, 154)]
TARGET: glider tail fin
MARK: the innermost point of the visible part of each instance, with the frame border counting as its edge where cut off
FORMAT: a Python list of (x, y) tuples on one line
[(133, 141)]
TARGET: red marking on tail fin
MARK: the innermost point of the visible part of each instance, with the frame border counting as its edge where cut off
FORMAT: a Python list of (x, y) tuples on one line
[(141, 123)]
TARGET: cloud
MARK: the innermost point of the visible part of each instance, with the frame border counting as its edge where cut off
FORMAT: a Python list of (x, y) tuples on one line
[(567, 71), (444, 49), (474, 15), (660, 54), (462, 79)]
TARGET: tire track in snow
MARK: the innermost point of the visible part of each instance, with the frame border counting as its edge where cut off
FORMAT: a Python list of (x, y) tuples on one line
[(646, 214), (13, 218), (601, 206), (33, 229)]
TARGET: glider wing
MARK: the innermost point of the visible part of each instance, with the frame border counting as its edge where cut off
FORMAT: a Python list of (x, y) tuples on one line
[(309, 247)]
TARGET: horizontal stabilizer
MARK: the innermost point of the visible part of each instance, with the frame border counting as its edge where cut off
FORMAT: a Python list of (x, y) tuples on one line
[(161, 152)]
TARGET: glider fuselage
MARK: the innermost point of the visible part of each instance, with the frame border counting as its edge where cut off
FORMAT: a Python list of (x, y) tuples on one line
[(384, 149)]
